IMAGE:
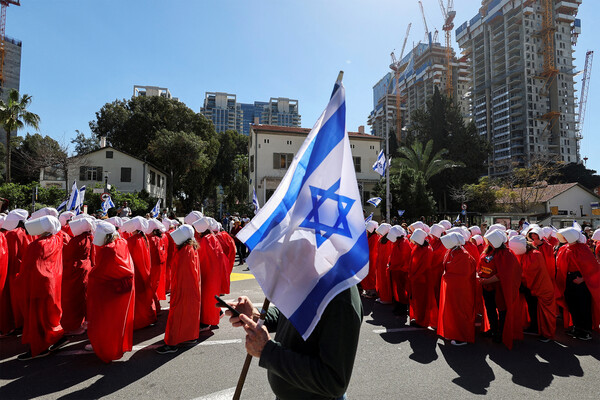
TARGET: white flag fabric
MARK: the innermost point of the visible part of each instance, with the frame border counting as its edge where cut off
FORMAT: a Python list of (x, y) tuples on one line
[(73, 201), (156, 210), (308, 241), (80, 198), (255, 201), (374, 201), (107, 205), (381, 164), (577, 226)]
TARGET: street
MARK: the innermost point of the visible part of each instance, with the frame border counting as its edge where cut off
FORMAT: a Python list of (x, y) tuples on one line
[(393, 361)]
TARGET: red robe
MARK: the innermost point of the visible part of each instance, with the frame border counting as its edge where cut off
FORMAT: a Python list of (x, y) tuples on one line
[(184, 315), (171, 255), (111, 301), (509, 273), (423, 308), (145, 311), (11, 315), (158, 258), (77, 264), (3, 286), (456, 318), (383, 284), (590, 270), (549, 261), (40, 279), (67, 230), (211, 271), (228, 245), (536, 279), (473, 250), (437, 265), (399, 265), (369, 282)]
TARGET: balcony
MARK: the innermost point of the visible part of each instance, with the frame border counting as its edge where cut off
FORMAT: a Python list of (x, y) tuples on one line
[(568, 6), (565, 18)]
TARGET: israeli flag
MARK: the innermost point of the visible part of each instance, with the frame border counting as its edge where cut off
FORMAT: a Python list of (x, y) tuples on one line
[(374, 201), (381, 164), (369, 218), (457, 220), (255, 201), (525, 226), (401, 212), (80, 197), (308, 241), (156, 210), (62, 207), (577, 226), (107, 205), (73, 198)]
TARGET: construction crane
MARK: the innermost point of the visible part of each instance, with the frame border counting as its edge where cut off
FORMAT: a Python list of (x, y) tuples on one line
[(398, 68), (550, 71), (449, 14), (424, 22), (4, 5), (585, 84)]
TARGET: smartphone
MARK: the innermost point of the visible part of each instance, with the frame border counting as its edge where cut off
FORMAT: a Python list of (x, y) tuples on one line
[(222, 303)]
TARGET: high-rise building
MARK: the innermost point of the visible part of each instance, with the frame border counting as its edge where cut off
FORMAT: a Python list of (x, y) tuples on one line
[(226, 113), (148, 91), (421, 71), (521, 57), (11, 72)]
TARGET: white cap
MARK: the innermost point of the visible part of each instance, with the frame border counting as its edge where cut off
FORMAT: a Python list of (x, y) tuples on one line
[(183, 233), (445, 223), (511, 232), (44, 211), (166, 222), (135, 224), (125, 219), (478, 239), (437, 230), (537, 230), (2, 218), (416, 225), (458, 229), (154, 224), (452, 240), (201, 225), (46, 224), (103, 229), (497, 226), (395, 232), (82, 215), (82, 225), (496, 238), (475, 230), (214, 225), (466, 232), (65, 217), (116, 221), (596, 235), (383, 229), (419, 236), (13, 218), (371, 226), (568, 235), (582, 238), (192, 217), (518, 244)]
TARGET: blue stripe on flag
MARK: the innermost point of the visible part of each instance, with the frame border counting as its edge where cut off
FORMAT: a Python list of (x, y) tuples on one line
[(325, 141), (346, 267)]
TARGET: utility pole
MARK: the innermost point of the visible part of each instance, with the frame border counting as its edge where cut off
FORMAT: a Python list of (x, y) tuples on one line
[(387, 167)]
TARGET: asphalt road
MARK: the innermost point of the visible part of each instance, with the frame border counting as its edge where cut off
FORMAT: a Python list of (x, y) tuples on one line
[(394, 361)]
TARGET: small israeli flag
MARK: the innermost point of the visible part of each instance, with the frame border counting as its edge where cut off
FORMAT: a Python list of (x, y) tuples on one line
[(62, 206), (369, 218), (457, 220), (107, 205), (401, 212), (381, 164), (255, 201), (80, 198), (577, 226), (374, 201), (156, 210), (308, 241)]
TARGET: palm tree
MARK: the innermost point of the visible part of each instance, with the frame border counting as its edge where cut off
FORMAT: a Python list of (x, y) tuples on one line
[(420, 160), (14, 116)]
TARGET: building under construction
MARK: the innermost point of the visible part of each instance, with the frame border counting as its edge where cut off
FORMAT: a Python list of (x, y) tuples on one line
[(420, 71), (520, 53)]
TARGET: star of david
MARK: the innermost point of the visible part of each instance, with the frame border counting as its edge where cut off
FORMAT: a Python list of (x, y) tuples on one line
[(340, 227)]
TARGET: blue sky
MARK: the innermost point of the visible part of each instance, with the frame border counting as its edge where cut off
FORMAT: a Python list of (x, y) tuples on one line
[(81, 54)]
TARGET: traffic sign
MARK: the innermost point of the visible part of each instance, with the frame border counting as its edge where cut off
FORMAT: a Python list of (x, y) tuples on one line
[(464, 206), (105, 196), (464, 212)]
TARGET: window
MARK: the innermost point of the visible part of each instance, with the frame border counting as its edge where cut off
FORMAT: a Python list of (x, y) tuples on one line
[(356, 164), (109, 154), (266, 140), (282, 160), (125, 174), (152, 178), (90, 174), (252, 163)]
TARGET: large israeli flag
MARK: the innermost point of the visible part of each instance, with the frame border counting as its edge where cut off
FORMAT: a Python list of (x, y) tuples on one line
[(308, 241), (80, 199), (73, 201)]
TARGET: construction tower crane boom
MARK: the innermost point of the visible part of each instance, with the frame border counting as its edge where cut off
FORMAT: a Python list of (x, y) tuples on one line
[(448, 13), (585, 84), (3, 6), (424, 22), (398, 68)]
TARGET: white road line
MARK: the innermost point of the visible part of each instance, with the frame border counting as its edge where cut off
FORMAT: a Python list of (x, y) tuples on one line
[(226, 394), (392, 330)]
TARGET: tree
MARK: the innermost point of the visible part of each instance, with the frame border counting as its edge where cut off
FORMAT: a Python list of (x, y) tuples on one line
[(574, 172), (83, 144), (420, 159), (481, 196), (14, 116), (231, 167), (34, 152)]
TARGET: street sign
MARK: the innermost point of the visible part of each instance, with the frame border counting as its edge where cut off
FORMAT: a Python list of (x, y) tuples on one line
[(464, 212), (105, 196), (98, 190), (464, 206)]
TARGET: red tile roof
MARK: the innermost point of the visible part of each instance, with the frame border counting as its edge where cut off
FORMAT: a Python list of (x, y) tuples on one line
[(304, 131), (539, 194)]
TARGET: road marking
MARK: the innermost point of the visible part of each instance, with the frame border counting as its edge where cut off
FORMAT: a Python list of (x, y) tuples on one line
[(240, 277), (226, 394), (392, 330)]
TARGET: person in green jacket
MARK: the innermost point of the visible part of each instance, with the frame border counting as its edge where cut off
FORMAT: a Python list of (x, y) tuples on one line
[(318, 368)]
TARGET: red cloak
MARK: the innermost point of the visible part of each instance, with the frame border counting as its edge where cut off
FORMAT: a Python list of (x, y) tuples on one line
[(423, 308), (228, 245), (509, 273), (590, 270), (382, 283), (11, 314), (399, 265), (77, 264), (536, 279), (67, 230), (437, 265), (145, 311), (211, 271), (184, 315), (111, 301), (171, 255), (4, 286), (369, 282), (158, 258), (473, 250), (550, 262), (40, 279), (456, 318)]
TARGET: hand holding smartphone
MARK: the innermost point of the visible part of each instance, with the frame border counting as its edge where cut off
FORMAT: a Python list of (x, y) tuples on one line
[(222, 303)]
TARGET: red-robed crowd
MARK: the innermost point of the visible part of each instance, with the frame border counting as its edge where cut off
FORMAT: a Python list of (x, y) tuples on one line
[(64, 275), (458, 280)]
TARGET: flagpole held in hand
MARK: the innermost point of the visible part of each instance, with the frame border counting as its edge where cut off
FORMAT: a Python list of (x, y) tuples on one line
[(246, 367)]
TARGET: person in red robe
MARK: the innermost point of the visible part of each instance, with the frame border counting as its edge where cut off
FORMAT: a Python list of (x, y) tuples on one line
[(110, 295), (3, 276), (478, 241), (158, 243), (536, 237), (228, 245), (40, 280), (64, 219), (77, 264), (499, 272), (456, 317), (384, 250), (596, 239), (139, 248), (437, 262), (423, 308), (398, 269), (17, 239), (537, 289), (171, 255), (183, 323), (368, 284), (210, 273)]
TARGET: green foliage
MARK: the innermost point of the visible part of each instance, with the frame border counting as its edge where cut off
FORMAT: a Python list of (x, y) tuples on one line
[(420, 159), (83, 144), (32, 153), (231, 168), (20, 196), (574, 172), (482, 196)]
